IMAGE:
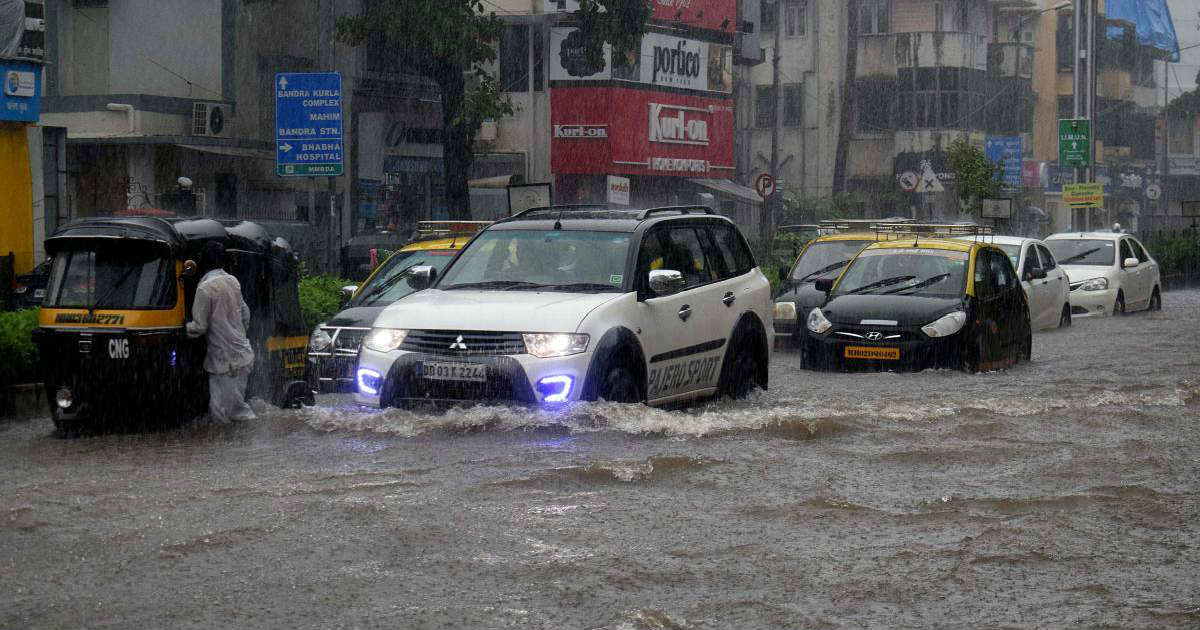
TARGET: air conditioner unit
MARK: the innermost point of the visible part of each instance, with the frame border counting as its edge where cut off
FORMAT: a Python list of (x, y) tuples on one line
[(208, 119)]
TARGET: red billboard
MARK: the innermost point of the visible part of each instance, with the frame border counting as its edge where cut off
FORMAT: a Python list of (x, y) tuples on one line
[(702, 14), (611, 130)]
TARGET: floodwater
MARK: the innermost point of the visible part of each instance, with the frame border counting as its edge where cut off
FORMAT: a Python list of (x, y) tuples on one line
[(1060, 493)]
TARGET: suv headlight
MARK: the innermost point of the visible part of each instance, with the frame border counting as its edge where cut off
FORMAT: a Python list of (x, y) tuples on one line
[(319, 341), (817, 322), (785, 310), (546, 345), (385, 339), (1095, 284), (945, 325)]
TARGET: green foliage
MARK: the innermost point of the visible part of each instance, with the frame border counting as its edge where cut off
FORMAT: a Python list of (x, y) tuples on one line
[(975, 178), (320, 298), (20, 355), (1177, 253)]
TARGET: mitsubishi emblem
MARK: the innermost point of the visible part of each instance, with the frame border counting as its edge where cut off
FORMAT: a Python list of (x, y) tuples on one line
[(874, 336), (459, 345)]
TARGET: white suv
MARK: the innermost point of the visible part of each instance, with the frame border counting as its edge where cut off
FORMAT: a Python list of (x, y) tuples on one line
[(573, 303), (1110, 272)]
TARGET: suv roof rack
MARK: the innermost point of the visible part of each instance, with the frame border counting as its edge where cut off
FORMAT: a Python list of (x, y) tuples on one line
[(567, 207), (647, 213), (935, 230)]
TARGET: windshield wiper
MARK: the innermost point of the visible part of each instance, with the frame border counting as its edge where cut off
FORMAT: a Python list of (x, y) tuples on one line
[(920, 285), (826, 269), (125, 276), (879, 283), (582, 287), (1067, 261), (387, 284), (491, 284)]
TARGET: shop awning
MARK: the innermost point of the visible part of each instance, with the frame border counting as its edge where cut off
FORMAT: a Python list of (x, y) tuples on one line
[(257, 154), (732, 189)]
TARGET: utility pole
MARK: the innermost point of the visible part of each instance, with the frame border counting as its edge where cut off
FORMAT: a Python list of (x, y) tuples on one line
[(773, 201), (849, 87)]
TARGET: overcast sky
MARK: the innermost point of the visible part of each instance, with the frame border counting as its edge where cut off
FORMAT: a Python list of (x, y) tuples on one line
[(1184, 12)]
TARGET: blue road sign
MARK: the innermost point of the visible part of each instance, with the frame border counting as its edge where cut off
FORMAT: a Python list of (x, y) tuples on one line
[(1007, 151), (309, 136)]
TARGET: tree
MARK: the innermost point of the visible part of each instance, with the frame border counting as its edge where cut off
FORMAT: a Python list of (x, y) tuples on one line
[(975, 177), (451, 42)]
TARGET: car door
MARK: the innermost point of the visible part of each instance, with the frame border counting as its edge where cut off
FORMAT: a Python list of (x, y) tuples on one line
[(1012, 307), (733, 266), (987, 306), (682, 346), (1147, 269), (1037, 290), (1131, 279), (1056, 279)]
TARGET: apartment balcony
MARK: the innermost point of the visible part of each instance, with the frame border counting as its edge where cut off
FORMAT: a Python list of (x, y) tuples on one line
[(885, 55), (1010, 60), (1112, 84)]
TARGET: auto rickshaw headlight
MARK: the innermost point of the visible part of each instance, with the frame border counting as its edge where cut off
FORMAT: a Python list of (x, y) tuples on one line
[(319, 341), (385, 339), (64, 398)]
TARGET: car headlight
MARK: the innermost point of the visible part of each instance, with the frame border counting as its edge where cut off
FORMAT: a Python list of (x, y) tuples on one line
[(385, 339), (546, 345), (817, 322), (319, 341), (945, 325), (1095, 284), (785, 310)]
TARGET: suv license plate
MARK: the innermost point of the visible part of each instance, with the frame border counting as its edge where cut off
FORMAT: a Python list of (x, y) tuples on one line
[(438, 371), (874, 354)]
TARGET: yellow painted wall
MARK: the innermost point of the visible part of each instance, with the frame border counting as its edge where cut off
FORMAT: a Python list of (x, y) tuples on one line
[(16, 196)]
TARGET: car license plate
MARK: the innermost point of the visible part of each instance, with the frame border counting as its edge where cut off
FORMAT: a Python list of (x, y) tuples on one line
[(438, 371), (874, 354)]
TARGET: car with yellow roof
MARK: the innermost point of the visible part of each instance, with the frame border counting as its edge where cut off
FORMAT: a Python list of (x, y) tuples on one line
[(922, 299), (333, 345)]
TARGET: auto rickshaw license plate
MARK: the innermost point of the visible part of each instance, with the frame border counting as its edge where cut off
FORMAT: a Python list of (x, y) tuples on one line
[(439, 371), (874, 354)]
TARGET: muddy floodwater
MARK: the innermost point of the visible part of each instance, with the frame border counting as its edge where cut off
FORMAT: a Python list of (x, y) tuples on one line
[(1063, 493)]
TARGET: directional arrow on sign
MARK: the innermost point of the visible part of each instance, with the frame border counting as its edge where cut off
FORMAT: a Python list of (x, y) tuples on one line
[(283, 83), (285, 147)]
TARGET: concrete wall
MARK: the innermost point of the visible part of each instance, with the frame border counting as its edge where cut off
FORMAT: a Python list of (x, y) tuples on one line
[(182, 35)]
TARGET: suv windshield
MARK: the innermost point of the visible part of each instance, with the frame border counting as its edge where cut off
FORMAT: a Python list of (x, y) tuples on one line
[(553, 260), (925, 272), (111, 278), (825, 258), (388, 285), (1078, 251)]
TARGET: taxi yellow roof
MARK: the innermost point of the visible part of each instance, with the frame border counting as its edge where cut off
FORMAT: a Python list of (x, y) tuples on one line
[(436, 243)]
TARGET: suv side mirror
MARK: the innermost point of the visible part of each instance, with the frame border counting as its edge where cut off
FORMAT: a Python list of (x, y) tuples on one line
[(348, 291), (421, 277), (664, 282), (824, 285), (1130, 262)]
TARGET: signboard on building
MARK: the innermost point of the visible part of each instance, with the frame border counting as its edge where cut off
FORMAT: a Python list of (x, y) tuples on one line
[(1005, 151), (522, 197), (696, 14), (665, 60), (996, 209), (22, 93), (308, 124), (648, 133), (1090, 195), (570, 61), (1074, 142), (618, 190), (923, 172)]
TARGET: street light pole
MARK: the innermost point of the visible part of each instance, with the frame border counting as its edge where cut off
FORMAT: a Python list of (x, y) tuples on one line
[(772, 202)]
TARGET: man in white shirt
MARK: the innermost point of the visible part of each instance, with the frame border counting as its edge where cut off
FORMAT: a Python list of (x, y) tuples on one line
[(220, 313)]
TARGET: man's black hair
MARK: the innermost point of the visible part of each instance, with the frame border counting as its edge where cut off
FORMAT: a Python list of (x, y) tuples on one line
[(212, 256)]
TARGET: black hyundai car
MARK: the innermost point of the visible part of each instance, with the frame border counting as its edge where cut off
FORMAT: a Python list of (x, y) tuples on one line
[(918, 303)]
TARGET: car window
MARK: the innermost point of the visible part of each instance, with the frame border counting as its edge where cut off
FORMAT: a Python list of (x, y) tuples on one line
[(1006, 277), (1126, 251), (684, 252), (1031, 259), (730, 250), (1048, 261), (1138, 252)]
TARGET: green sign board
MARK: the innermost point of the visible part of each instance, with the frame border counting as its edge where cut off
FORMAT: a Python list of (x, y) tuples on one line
[(1074, 142), (308, 169)]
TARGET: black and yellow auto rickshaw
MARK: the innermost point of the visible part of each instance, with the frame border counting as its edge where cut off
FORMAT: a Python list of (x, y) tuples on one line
[(112, 326)]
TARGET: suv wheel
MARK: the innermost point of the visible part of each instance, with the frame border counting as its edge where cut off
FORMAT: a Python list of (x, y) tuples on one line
[(620, 386), (737, 375)]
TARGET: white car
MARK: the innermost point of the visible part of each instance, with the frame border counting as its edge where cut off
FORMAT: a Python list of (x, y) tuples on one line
[(1044, 280), (564, 304), (1110, 272)]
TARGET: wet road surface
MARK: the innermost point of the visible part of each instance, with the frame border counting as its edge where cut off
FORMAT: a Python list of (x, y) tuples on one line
[(1060, 493)]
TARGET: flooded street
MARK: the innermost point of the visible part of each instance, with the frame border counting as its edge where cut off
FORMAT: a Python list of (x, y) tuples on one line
[(1061, 493)]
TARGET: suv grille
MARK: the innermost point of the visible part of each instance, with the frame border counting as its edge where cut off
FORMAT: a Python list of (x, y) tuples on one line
[(478, 343)]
